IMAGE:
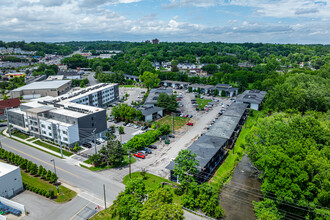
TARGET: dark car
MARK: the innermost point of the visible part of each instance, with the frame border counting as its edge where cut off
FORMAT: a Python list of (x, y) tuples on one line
[(125, 124), (88, 145), (3, 125), (152, 147), (144, 128), (171, 136), (147, 150)]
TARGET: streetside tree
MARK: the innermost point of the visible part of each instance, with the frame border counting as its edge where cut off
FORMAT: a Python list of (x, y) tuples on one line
[(149, 79)]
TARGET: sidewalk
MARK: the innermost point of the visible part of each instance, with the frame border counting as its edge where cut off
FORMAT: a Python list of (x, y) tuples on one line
[(68, 159)]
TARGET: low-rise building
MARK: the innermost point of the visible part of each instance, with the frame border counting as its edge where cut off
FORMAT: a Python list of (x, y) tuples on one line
[(175, 84), (154, 94), (229, 90), (210, 148), (253, 98), (10, 180), (44, 88), (132, 77), (7, 104), (66, 119), (151, 113)]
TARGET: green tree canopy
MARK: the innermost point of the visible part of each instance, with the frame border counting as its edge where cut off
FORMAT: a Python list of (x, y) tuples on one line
[(149, 79), (168, 102)]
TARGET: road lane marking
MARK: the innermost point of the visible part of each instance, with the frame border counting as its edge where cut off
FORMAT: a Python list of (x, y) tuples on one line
[(80, 210), (42, 161)]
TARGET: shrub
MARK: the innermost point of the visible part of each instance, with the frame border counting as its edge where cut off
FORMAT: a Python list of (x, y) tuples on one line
[(51, 193), (178, 191)]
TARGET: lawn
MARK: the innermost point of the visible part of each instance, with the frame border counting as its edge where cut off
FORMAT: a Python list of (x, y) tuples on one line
[(226, 169), (32, 139), (178, 121), (65, 193), (125, 163), (20, 135), (53, 148), (127, 86), (152, 182), (202, 102)]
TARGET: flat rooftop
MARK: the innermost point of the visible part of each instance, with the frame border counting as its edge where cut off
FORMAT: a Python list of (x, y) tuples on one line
[(53, 84), (6, 168)]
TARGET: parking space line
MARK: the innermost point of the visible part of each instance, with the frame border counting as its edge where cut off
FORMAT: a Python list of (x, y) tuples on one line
[(80, 211)]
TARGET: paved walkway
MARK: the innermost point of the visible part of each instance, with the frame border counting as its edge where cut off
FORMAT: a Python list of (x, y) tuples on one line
[(70, 159)]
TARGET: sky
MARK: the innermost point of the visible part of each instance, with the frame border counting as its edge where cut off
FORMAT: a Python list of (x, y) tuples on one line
[(236, 21)]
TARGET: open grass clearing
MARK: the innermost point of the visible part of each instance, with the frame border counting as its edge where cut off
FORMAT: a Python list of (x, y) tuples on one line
[(53, 148), (153, 182), (65, 193), (178, 121), (202, 102)]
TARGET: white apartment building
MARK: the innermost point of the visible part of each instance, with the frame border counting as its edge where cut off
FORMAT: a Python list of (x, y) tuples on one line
[(68, 118)]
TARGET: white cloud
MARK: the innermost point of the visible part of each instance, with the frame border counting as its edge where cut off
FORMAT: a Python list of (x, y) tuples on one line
[(190, 3)]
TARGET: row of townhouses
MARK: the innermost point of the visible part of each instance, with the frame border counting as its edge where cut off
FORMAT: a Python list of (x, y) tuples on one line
[(66, 119)]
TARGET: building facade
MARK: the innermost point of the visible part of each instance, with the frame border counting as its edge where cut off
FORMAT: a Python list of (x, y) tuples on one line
[(66, 119), (10, 180)]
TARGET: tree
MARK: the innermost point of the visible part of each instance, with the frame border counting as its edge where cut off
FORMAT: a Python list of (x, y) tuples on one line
[(121, 130), (216, 92), (82, 84), (223, 93), (168, 102), (48, 175), (185, 166), (4, 97), (146, 66), (129, 203), (149, 79), (53, 178), (211, 68), (160, 206), (174, 66)]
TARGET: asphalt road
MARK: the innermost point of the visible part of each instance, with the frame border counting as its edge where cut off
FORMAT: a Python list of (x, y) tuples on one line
[(92, 80), (87, 184)]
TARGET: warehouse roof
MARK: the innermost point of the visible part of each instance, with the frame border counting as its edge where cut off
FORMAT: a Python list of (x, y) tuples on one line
[(148, 110), (53, 84)]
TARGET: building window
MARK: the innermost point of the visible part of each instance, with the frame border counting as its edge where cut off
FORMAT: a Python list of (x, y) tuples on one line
[(92, 124), (64, 132), (49, 128), (43, 126), (44, 132), (65, 139), (50, 134)]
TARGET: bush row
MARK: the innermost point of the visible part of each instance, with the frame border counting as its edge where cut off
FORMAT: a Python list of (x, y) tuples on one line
[(49, 194), (28, 166)]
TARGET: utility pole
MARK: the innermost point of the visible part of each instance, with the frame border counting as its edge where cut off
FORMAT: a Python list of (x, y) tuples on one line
[(59, 139), (129, 164), (173, 122), (8, 122), (52, 160), (188, 174), (94, 141), (105, 198)]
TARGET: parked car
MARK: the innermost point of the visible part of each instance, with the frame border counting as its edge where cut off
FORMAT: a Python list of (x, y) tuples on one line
[(139, 155), (100, 140), (147, 150), (143, 152), (144, 127), (190, 116), (152, 147), (178, 99), (3, 125), (190, 124), (129, 125), (186, 116), (88, 145), (171, 136)]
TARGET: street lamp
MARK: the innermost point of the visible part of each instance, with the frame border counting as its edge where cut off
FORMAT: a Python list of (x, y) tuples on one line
[(52, 160)]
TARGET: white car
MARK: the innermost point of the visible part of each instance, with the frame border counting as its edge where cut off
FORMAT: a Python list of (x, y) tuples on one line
[(101, 140)]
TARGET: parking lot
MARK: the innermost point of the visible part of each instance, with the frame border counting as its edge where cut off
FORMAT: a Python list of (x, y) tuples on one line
[(135, 93)]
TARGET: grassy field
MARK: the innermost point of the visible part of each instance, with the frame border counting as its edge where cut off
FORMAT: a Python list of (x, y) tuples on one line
[(32, 139), (53, 148), (226, 169), (65, 193), (20, 135), (125, 163), (178, 121), (202, 102), (151, 182)]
